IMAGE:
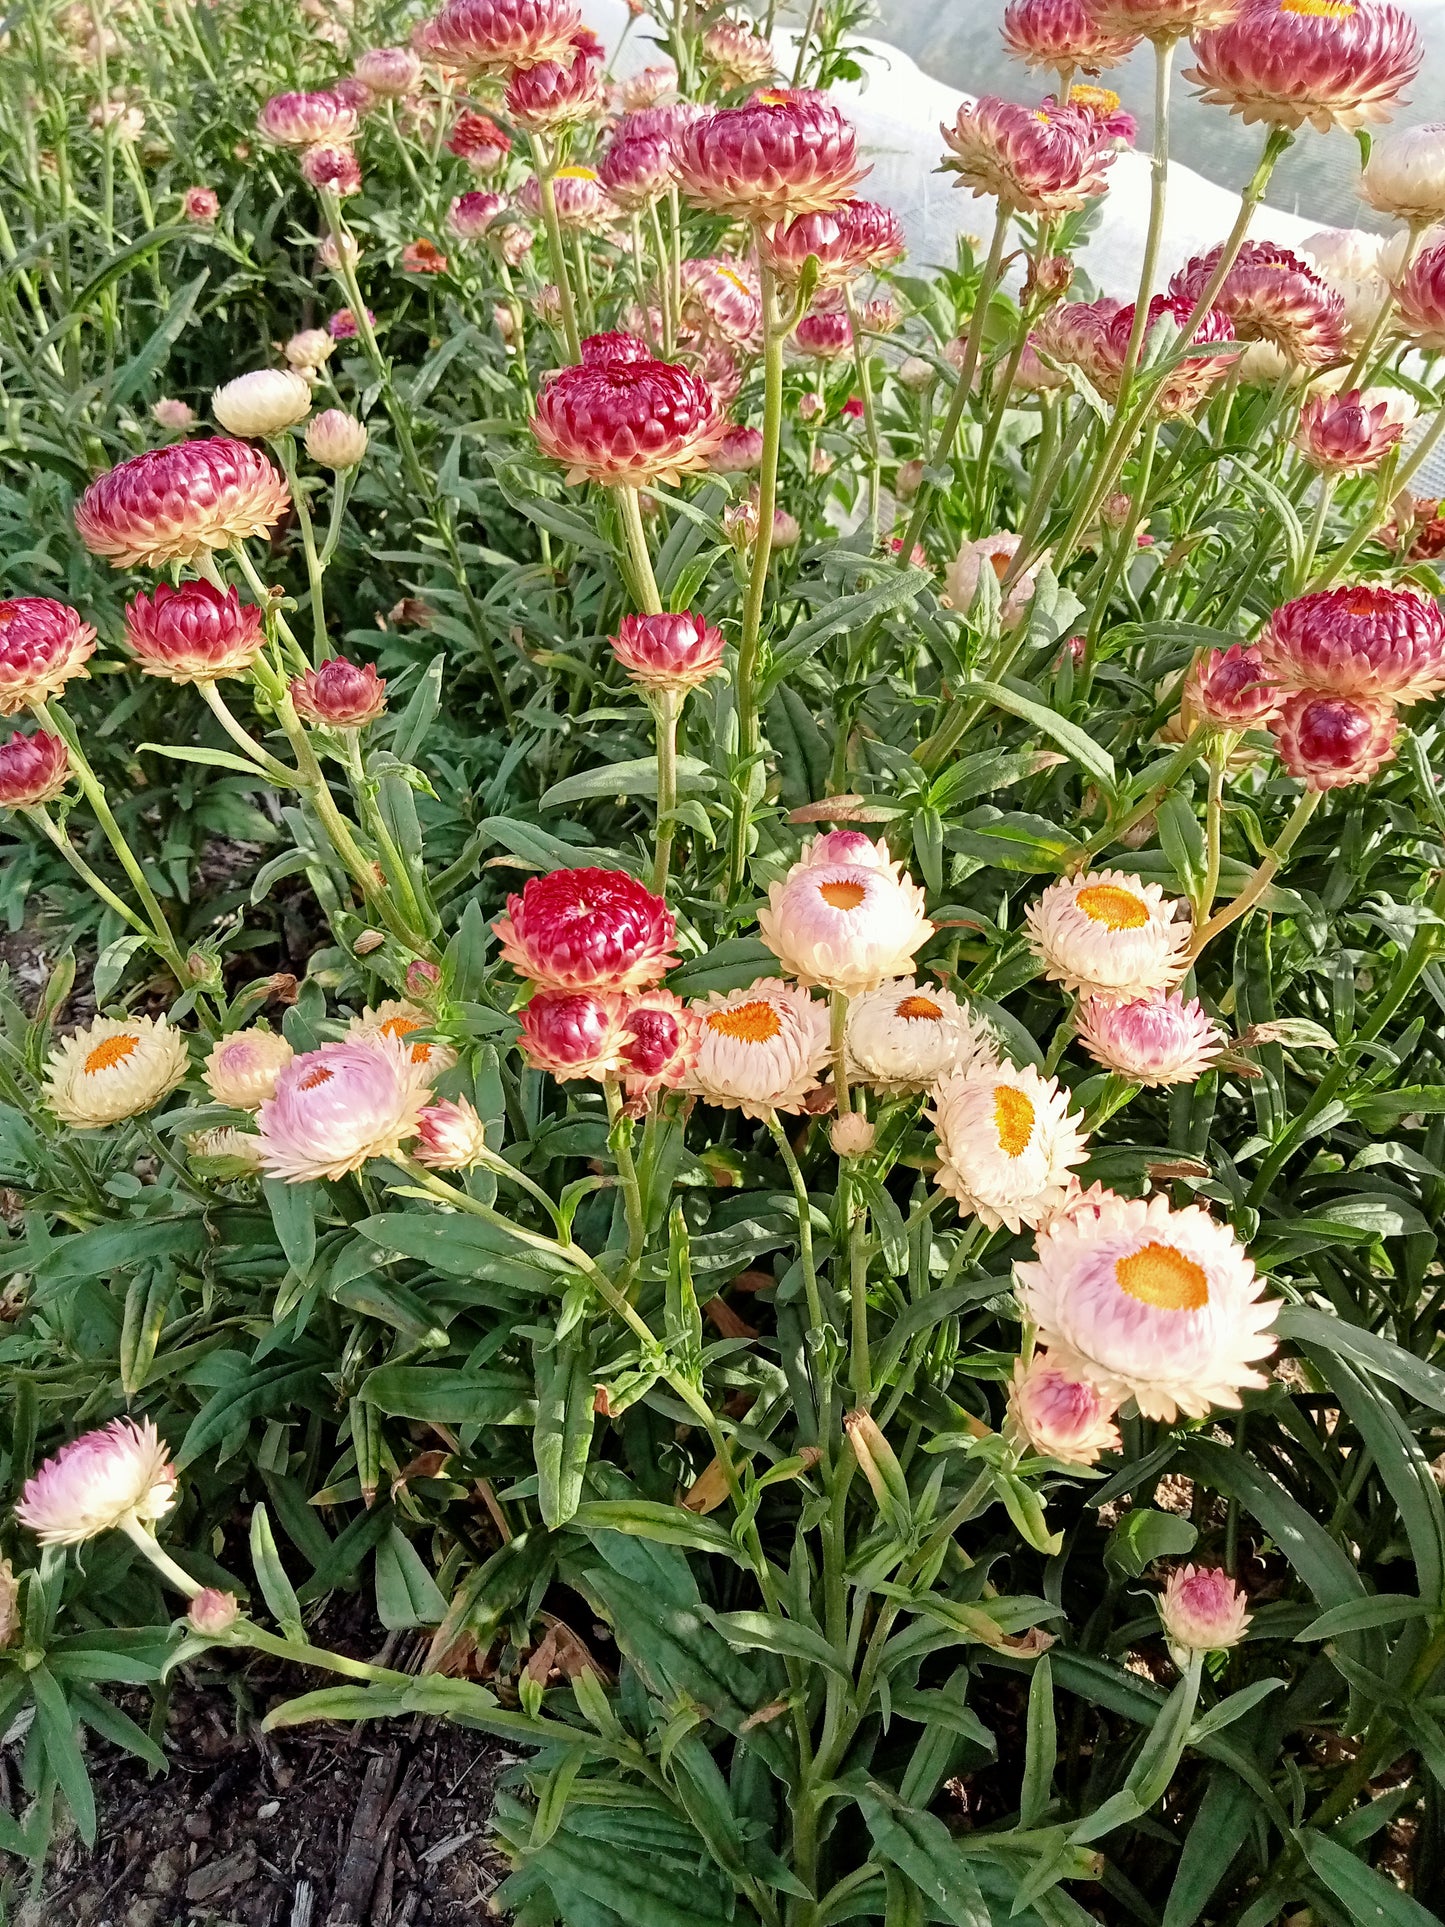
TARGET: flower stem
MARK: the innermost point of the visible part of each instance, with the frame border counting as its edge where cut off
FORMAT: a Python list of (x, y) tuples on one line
[(1158, 199), (286, 453), (620, 1140), (837, 1044), (665, 706), (1264, 875), (546, 165), (49, 828), (266, 764), (870, 415), (145, 1543), (811, 1292), (645, 582)]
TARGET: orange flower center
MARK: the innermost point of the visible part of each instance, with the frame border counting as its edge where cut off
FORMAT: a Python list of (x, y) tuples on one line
[(755, 1023), (770, 97), (1094, 100), (315, 1078), (1160, 1276), (1320, 9), (917, 1006), (726, 274), (842, 895), (1116, 909), (999, 564), (400, 1027), (1361, 603), (1013, 1117), (113, 1051)]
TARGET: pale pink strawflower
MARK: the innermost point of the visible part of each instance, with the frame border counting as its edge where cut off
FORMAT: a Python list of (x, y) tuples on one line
[(738, 53), (1422, 300), (1230, 688), (583, 204), (1058, 1415), (637, 169), (1333, 742), (1405, 174), (905, 1035), (851, 1135), (996, 552), (213, 1613), (336, 440), (1352, 263), (308, 120), (392, 72), (1160, 20), (242, 1069), (1202, 1611), (740, 449), (201, 205), (120, 1476), (649, 85), (171, 503), (720, 297), (451, 1136), (849, 846), (574, 1033), (1042, 160), (843, 926), (263, 402), (847, 240), (1153, 1040), (1159, 1305), (499, 36), (1333, 63), (660, 1041), (668, 651), (337, 1107), (1109, 934), (1062, 33), (172, 415), (43, 643), (824, 333), (1007, 1143), (309, 349), (762, 1048), (397, 1021), (787, 530)]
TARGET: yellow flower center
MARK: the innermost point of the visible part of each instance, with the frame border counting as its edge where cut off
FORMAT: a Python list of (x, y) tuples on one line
[(1320, 9), (1115, 908), (726, 274), (1160, 1276), (113, 1051), (581, 173), (1013, 1118), (770, 97), (1095, 100), (400, 1027), (917, 1006), (316, 1077), (842, 895), (755, 1023)]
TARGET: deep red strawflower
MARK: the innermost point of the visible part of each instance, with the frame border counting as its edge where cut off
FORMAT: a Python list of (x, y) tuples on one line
[(846, 240), (1270, 294), (1366, 641), (668, 651), (627, 423), (587, 930), (499, 36), (786, 151), (661, 1038), (194, 633), (614, 347), (1334, 63), (33, 769), (43, 644), (169, 504), (573, 1033), (477, 139), (1229, 688), (345, 695), (1188, 383), (555, 93), (1333, 741)]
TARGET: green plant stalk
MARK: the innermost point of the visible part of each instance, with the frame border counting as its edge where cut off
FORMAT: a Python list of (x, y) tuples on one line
[(644, 581), (666, 704), (285, 449), (1264, 874), (749, 733), (1221, 748), (822, 1392), (145, 1543), (1315, 532), (417, 908), (870, 414), (545, 163), (267, 765), (619, 1136), (810, 27), (1158, 201), (1415, 234), (664, 285), (51, 830), (859, 1361), (1178, 763), (837, 1047), (1124, 547)]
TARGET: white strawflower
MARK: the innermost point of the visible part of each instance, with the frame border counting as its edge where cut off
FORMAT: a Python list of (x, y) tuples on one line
[(904, 1036), (1007, 1143), (262, 403), (232, 1153), (119, 1476), (114, 1068), (336, 440), (845, 926), (762, 1048), (1110, 935), (309, 349), (1405, 174), (1352, 263), (242, 1069), (1149, 1302)]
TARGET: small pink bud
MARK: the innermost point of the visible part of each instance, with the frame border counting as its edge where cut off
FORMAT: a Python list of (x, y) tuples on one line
[(851, 1135), (1202, 1610), (201, 204), (421, 977), (340, 694), (213, 1613)]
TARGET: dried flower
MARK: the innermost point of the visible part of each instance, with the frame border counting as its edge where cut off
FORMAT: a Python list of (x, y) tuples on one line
[(1334, 63), (1153, 1040), (339, 1106), (1109, 934), (169, 504), (1059, 1415), (120, 1476), (34, 769), (340, 694), (43, 644), (242, 1069), (847, 240), (1007, 1143), (761, 1048), (336, 440), (1332, 742), (587, 930), (1042, 160), (629, 423), (113, 1069), (785, 152), (195, 633)]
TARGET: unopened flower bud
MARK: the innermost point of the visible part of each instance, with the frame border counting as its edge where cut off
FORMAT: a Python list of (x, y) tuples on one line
[(740, 525), (340, 694), (309, 348), (174, 416), (201, 205), (331, 169), (213, 1613), (422, 977), (1202, 1610), (332, 252), (915, 373), (336, 440), (851, 1135), (262, 403), (879, 1465), (368, 941), (908, 480), (810, 407)]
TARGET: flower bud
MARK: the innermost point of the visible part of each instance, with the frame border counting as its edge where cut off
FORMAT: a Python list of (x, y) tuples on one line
[(1229, 688), (786, 531), (213, 1613), (201, 205), (851, 1135), (740, 449), (470, 215), (740, 525), (1202, 1610), (879, 1465), (308, 349), (262, 403), (340, 694), (172, 415), (916, 374), (331, 169), (1333, 741), (33, 769), (909, 479), (1405, 174), (668, 651), (332, 252), (336, 440), (451, 1137), (392, 72)]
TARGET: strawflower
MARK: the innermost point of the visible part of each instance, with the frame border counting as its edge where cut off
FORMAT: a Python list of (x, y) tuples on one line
[(905, 1035), (1155, 1040), (450, 1136), (786, 151), (1366, 641), (668, 651), (340, 694), (171, 503), (195, 633), (1063, 33), (43, 643), (1333, 63), (1109, 934), (118, 1477), (1333, 742), (34, 769), (1041, 160), (242, 1069), (660, 1040), (1059, 1415), (761, 1049), (115, 1068), (1007, 1143), (845, 926), (587, 930), (1202, 1610), (574, 1033), (337, 1107), (627, 423)]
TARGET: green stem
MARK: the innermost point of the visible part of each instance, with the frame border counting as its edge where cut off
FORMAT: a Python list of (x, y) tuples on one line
[(870, 416), (665, 706), (267, 765), (620, 1140), (1158, 199), (546, 165), (837, 1045), (1389, 486), (1264, 875), (145, 1543), (645, 582), (41, 818), (811, 1291), (285, 449), (1328, 485)]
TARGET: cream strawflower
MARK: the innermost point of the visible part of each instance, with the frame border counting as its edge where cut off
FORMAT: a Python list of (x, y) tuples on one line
[(1157, 1039), (904, 1036), (1157, 1304), (398, 1019), (1202, 1611), (242, 1069), (1054, 1413), (762, 1048), (114, 1068), (225, 1152), (1109, 934), (337, 1107), (119, 1476), (845, 926), (263, 402), (1007, 1141)]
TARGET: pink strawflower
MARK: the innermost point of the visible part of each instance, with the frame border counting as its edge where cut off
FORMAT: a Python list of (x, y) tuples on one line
[(587, 930), (423, 257), (500, 36), (169, 504), (195, 633), (649, 85), (1189, 383), (1202, 1610), (339, 1106), (1370, 640), (1421, 313), (477, 139), (316, 119), (43, 643), (33, 769), (1102, 106), (1229, 688), (342, 325), (1062, 33), (637, 169), (120, 1476), (201, 205), (740, 449), (995, 552), (334, 170), (845, 926), (470, 215), (1347, 433), (582, 203), (1041, 160), (721, 298), (824, 333), (1334, 63), (738, 53), (660, 1041), (850, 847), (1153, 1040), (241, 1070), (786, 151), (1332, 742), (629, 423), (451, 1136), (1077, 333), (172, 415), (847, 240), (213, 1613), (392, 72), (555, 94), (1270, 294), (340, 694), (574, 1033), (668, 651), (1057, 1415), (1166, 20)]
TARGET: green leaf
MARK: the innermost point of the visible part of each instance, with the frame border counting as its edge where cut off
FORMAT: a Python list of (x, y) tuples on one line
[(1325, 1568), (1142, 1536), (920, 1846), (562, 1431), (1041, 1746), (276, 1588), (293, 1213), (668, 1525), (1423, 1382), (215, 758), (635, 778), (1077, 746), (853, 612), (727, 966), (256, 1394), (765, 1632), (406, 1593), (1368, 1897), (1380, 1609), (55, 1724), (1220, 1828), (477, 1397)]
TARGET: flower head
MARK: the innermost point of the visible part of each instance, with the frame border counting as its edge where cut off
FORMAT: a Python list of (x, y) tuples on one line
[(996, 552), (637, 169), (738, 53), (317, 119), (587, 930), (847, 240), (1059, 1415), (175, 417), (761, 1048), (169, 504), (213, 1613), (740, 449), (201, 205), (649, 85), (119, 1476), (242, 1069), (1270, 294), (720, 297), (825, 333), (627, 423), (336, 1107), (450, 1135), (33, 769), (1109, 934), (1370, 640), (661, 1038), (477, 139), (845, 926), (905, 1036), (1166, 20), (395, 1021), (1229, 688), (470, 215), (1042, 160), (42, 645), (1077, 332), (1158, 1039), (1421, 312), (1192, 380), (1103, 106), (309, 349), (392, 72), (786, 151), (1334, 741), (1151, 1303), (1334, 63), (667, 651), (574, 1033), (116, 1067), (555, 93), (1352, 263), (1202, 1611), (499, 36), (263, 402), (1347, 433), (1007, 1143), (581, 200), (340, 694), (195, 633), (1063, 33)]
